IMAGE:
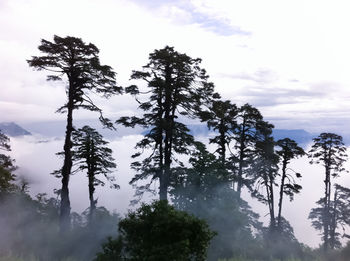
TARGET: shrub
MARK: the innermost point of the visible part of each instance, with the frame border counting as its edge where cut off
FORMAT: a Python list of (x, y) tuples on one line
[(159, 232)]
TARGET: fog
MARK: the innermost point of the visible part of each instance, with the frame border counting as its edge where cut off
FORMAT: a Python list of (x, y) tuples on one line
[(36, 159)]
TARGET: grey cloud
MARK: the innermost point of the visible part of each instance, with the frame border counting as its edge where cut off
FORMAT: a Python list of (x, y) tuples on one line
[(260, 76), (262, 96), (262, 89), (214, 24)]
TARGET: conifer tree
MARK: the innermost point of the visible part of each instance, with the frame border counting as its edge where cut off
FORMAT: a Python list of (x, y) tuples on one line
[(91, 154), (69, 58), (245, 140), (264, 168), (328, 150), (339, 215), (7, 166), (289, 150), (176, 86), (221, 117)]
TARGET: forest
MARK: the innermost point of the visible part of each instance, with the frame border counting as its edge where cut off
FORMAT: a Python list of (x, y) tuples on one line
[(201, 213)]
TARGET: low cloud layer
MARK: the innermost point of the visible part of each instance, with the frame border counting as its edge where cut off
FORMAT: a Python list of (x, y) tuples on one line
[(36, 159)]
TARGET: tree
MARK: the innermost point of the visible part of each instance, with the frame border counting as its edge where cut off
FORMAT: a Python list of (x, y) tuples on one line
[(176, 86), (264, 168), (329, 150), (339, 215), (221, 117), (70, 58), (289, 150), (245, 138), (204, 190), (6, 166), (159, 232), (193, 186), (4, 142), (111, 250), (90, 154)]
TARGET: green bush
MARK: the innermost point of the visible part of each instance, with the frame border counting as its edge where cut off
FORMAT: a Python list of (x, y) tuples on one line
[(159, 232)]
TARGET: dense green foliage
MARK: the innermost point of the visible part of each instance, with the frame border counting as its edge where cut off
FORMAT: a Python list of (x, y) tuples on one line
[(159, 232)]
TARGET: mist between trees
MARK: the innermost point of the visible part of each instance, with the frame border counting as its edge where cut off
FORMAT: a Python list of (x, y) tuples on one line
[(201, 214)]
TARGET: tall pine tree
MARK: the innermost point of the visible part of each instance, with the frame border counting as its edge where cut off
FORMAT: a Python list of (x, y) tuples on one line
[(329, 150), (176, 86), (69, 58), (91, 154)]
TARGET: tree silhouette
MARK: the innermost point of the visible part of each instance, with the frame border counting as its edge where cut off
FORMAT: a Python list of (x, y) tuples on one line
[(264, 168), (176, 86), (6, 166), (70, 58), (289, 150), (195, 185), (4, 142), (339, 215), (221, 117), (329, 150), (203, 189), (90, 154), (245, 139), (159, 232)]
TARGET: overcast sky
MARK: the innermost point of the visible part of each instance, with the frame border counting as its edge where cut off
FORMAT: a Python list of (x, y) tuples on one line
[(291, 59)]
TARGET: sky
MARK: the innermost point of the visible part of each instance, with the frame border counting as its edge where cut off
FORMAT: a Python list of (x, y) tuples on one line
[(290, 59)]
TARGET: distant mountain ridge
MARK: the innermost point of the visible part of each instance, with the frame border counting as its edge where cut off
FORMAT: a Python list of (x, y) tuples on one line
[(57, 129), (12, 129), (299, 135)]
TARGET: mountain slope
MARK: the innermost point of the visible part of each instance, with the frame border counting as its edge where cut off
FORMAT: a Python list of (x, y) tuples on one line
[(12, 129)]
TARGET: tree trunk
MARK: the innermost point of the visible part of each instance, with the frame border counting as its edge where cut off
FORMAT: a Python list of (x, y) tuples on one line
[(66, 170), (91, 196), (241, 161), (284, 167), (272, 201), (333, 222), (164, 179), (222, 144), (326, 211)]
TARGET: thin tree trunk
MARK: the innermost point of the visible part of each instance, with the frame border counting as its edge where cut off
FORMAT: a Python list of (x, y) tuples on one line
[(333, 222), (326, 211), (284, 167), (66, 170), (272, 202), (91, 197), (241, 161), (222, 144)]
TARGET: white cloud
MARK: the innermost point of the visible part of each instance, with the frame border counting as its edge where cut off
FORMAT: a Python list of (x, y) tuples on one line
[(29, 155), (289, 41), (36, 159)]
